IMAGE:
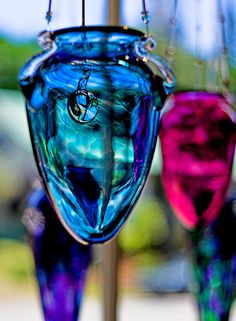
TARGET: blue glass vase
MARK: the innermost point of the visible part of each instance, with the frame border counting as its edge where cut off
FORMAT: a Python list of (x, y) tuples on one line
[(61, 263), (93, 106)]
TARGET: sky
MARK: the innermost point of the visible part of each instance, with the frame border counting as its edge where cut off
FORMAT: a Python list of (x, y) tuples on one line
[(25, 18), (22, 19)]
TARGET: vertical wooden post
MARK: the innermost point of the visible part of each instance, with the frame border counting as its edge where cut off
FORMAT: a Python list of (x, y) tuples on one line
[(110, 250), (114, 12), (110, 280)]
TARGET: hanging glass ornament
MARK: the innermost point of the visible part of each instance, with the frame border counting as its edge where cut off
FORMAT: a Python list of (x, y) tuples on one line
[(61, 263), (198, 141), (214, 258), (93, 105), (198, 144)]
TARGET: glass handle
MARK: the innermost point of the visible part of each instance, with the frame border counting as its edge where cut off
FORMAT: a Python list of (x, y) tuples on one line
[(143, 50), (31, 67)]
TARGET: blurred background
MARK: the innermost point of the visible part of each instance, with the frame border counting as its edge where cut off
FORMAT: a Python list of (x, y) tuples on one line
[(154, 251)]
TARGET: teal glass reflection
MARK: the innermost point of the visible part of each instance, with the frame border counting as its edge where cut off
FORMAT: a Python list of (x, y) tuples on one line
[(93, 107)]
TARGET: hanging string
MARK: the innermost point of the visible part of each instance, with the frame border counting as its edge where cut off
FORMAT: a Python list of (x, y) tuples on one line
[(212, 75), (49, 13), (83, 13), (199, 62), (44, 38), (146, 17), (224, 63), (170, 48)]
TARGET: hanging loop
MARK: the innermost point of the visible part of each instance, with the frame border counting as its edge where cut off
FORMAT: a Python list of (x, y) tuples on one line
[(143, 50)]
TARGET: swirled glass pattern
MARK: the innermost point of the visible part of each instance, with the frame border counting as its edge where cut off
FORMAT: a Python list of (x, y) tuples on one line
[(93, 109)]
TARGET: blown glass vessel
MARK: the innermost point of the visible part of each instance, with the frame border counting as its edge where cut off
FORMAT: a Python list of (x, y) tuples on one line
[(61, 262), (214, 258), (93, 105), (198, 141)]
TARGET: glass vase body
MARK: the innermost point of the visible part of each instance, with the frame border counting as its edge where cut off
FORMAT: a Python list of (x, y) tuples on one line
[(214, 264), (61, 263), (93, 108), (197, 141)]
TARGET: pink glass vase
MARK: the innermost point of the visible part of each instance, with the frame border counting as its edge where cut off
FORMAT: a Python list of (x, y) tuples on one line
[(198, 141)]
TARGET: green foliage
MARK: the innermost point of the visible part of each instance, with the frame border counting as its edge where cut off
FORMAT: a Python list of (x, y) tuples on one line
[(14, 55), (12, 58), (188, 70), (148, 258), (146, 229), (16, 261)]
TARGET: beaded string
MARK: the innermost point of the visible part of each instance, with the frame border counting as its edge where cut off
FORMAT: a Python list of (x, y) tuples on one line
[(49, 13), (199, 69), (170, 48), (146, 17), (224, 62)]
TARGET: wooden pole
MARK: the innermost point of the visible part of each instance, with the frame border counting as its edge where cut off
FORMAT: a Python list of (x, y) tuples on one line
[(110, 280), (110, 250), (114, 12)]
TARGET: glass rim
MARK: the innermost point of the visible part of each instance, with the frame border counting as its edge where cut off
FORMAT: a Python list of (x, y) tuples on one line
[(205, 92), (107, 29)]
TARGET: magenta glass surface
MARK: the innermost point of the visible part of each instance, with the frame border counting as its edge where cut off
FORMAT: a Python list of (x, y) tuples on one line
[(198, 141)]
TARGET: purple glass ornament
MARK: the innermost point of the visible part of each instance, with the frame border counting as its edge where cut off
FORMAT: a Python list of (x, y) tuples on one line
[(214, 258), (61, 263), (197, 140)]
